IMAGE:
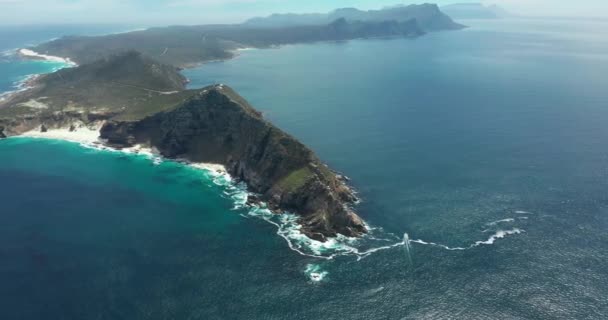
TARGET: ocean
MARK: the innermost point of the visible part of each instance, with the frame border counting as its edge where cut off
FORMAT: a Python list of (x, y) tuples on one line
[(480, 157)]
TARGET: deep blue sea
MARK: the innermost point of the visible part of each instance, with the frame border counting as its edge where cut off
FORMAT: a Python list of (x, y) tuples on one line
[(481, 157)]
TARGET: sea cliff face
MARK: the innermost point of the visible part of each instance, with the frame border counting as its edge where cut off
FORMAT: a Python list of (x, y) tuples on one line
[(218, 126)]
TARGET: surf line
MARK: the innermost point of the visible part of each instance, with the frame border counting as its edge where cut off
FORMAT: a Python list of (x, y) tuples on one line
[(288, 227), (344, 247)]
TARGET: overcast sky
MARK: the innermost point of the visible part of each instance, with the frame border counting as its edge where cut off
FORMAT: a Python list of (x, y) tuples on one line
[(158, 12)]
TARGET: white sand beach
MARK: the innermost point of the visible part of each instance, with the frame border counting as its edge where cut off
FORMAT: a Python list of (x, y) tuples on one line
[(32, 54)]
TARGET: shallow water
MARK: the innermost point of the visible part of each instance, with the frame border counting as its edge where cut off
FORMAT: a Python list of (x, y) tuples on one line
[(485, 146)]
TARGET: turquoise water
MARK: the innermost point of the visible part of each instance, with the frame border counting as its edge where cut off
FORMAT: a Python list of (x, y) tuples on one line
[(14, 71), (487, 147)]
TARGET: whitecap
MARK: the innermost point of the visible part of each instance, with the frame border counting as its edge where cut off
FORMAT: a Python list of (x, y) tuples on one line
[(315, 273), (522, 212), (493, 223)]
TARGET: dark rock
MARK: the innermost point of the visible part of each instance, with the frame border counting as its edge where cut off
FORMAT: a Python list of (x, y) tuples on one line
[(218, 126), (118, 134), (253, 199), (72, 128), (43, 128), (2, 135)]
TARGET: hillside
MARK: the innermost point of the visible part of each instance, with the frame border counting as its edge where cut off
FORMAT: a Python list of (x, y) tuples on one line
[(129, 84), (126, 98)]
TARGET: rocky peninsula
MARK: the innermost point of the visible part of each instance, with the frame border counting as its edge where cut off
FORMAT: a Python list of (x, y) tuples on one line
[(128, 92), (135, 101)]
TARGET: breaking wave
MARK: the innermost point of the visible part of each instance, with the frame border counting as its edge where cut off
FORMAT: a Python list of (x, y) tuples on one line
[(288, 227)]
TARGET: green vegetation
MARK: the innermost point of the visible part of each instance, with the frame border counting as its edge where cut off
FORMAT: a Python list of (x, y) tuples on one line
[(296, 179), (128, 85)]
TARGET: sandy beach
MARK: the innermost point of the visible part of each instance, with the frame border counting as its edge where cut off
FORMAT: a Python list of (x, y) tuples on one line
[(90, 137), (35, 55)]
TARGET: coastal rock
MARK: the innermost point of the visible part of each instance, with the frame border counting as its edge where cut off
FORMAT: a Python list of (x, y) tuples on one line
[(218, 126), (2, 135)]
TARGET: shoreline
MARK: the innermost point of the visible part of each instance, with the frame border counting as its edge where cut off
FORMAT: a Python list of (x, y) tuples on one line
[(30, 54), (89, 137), (286, 223), (28, 82)]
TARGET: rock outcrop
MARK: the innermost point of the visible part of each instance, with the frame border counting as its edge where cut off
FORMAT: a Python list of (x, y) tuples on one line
[(218, 126)]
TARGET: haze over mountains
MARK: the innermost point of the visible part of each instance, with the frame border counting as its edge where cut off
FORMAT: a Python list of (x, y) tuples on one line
[(428, 16), (474, 10)]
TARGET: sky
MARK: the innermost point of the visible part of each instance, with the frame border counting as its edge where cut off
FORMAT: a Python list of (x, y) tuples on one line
[(162, 12)]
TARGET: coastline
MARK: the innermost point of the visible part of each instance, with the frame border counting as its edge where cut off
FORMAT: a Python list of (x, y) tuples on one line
[(28, 82), (287, 223), (30, 54), (20, 86), (89, 137)]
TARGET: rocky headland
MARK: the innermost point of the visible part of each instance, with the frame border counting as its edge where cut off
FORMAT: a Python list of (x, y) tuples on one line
[(134, 101)]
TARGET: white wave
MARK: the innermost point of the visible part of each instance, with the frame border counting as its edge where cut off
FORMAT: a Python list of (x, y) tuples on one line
[(24, 83), (315, 273), (500, 234), (493, 223), (287, 224), (8, 53), (20, 85)]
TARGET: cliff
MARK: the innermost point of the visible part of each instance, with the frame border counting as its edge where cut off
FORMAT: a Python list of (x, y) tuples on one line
[(122, 95), (218, 126)]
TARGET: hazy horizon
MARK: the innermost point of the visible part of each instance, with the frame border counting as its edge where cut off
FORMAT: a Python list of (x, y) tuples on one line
[(165, 12)]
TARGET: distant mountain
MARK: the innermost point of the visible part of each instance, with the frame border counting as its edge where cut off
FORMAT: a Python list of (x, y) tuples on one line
[(428, 16), (184, 46), (474, 11)]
